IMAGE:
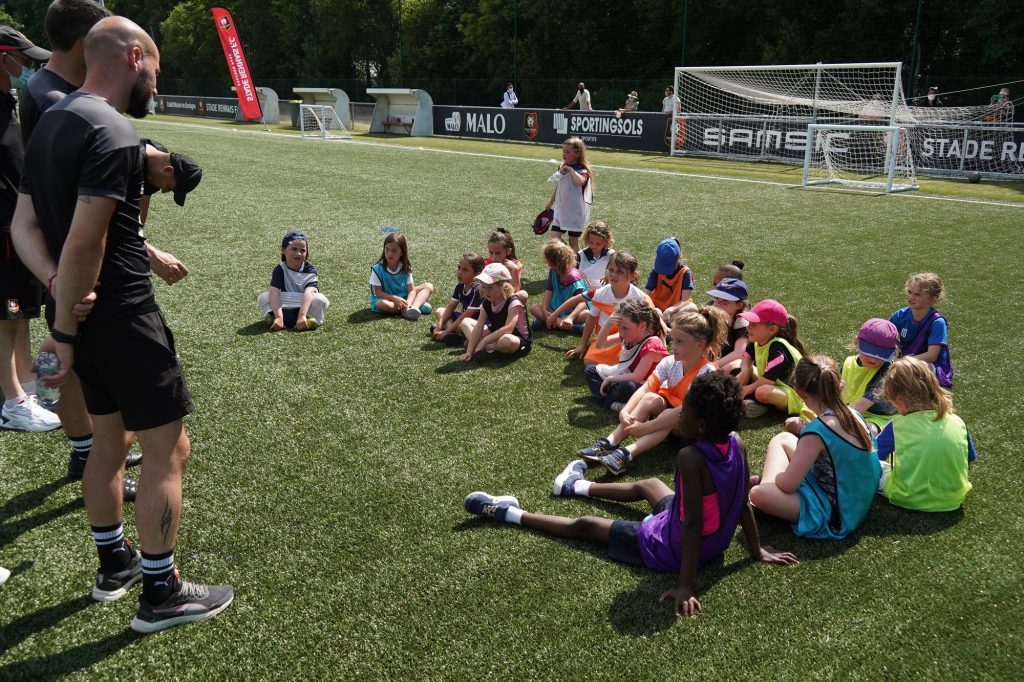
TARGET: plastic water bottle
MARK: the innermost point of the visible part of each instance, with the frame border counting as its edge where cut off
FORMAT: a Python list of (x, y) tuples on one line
[(46, 364)]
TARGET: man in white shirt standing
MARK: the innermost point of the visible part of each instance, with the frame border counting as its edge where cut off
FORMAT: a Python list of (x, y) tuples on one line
[(509, 100), (670, 104), (582, 99)]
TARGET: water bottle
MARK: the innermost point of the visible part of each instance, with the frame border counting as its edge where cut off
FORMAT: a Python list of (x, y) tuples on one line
[(46, 364)]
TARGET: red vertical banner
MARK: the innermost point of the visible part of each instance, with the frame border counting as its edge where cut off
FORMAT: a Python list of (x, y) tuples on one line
[(244, 88)]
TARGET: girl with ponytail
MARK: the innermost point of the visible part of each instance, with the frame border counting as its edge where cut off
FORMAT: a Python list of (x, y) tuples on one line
[(652, 412), (823, 481)]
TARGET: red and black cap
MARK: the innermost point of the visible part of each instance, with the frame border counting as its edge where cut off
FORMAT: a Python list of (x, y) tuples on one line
[(15, 41)]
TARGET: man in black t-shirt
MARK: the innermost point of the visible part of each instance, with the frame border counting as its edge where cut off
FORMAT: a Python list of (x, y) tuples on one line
[(79, 207)]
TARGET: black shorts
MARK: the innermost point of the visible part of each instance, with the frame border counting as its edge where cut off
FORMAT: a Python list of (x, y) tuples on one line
[(623, 544), (571, 233), (129, 366), (21, 294)]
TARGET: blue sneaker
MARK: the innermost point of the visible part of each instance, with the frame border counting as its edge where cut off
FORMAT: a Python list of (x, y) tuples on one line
[(565, 481), (616, 460), (494, 506), (595, 452)]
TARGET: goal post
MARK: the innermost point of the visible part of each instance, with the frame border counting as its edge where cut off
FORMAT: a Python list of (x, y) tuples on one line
[(321, 121), (869, 157)]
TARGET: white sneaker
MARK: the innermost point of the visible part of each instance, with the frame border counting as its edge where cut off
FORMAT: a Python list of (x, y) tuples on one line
[(4, 575), (28, 415)]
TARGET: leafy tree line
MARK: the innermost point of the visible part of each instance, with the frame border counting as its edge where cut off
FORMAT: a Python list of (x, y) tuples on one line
[(465, 50)]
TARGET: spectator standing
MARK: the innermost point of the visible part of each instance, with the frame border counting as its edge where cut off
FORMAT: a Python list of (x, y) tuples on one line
[(670, 104), (509, 99), (933, 99), (581, 100)]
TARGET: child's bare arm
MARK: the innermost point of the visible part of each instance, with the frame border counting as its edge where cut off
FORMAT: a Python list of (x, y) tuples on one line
[(690, 462), (758, 552)]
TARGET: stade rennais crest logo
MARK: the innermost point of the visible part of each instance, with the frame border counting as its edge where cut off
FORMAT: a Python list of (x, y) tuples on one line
[(531, 124), (224, 23)]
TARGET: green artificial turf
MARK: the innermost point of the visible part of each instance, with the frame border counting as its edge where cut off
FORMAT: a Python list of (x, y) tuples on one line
[(328, 468)]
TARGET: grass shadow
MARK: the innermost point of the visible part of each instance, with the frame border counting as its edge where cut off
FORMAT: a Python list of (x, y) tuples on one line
[(64, 663), (364, 315), (29, 624), (480, 360), (536, 287), (573, 374), (254, 329), (587, 414), (29, 500)]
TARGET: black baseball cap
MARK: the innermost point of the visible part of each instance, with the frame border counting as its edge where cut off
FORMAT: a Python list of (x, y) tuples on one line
[(187, 175), (15, 41)]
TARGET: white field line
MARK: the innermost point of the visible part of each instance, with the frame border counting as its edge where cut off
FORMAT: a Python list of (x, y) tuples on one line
[(620, 169)]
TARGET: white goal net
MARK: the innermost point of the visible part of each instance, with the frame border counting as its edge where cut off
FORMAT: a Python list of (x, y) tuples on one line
[(321, 121), (859, 156)]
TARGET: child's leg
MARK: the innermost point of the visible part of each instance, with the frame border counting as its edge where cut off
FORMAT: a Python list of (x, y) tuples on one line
[(318, 308), (765, 495), (621, 392), (647, 442), (537, 310), (594, 381), (509, 343), (420, 294), (385, 307), (263, 301), (651, 405), (466, 325), (574, 242), (651, 489), (584, 528), (773, 396), (23, 353), (574, 316)]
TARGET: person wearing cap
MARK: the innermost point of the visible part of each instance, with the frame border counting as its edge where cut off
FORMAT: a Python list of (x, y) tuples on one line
[(730, 296), (294, 299), (503, 325), (670, 284), (166, 171), (632, 102), (775, 354), (877, 345), (77, 228), (21, 294), (933, 99)]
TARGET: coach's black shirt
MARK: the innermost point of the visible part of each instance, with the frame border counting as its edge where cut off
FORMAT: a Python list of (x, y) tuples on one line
[(83, 147), (12, 158), (45, 88)]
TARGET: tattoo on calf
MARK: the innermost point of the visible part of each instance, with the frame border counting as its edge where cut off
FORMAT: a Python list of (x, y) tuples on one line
[(85, 199), (165, 520)]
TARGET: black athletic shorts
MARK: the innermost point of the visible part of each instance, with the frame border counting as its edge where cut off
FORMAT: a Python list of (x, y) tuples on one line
[(21, 294), (623, 544), (129, 366)]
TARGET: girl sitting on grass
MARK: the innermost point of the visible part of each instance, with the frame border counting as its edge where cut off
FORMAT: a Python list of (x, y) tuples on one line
[(593, 260), (454, 325), (776, 351), (640, 339), (823, 481), (503, 326), (652, 412), (620, 275), (923, 329), (564, 282), (690, 524), (730, 296), (294, 299), (926, 450), (392, 290), (501, 248)]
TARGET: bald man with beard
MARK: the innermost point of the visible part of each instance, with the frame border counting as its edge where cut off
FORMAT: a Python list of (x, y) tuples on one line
[(78, 228)]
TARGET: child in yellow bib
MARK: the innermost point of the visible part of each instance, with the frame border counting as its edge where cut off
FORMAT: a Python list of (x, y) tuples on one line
[(776, 351)]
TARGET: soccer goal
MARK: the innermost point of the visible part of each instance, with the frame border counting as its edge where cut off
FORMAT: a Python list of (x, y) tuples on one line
[(868, 157), (762, 112), (321, 121)]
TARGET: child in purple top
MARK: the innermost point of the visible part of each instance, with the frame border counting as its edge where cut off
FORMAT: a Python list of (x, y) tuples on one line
[(687, 528)]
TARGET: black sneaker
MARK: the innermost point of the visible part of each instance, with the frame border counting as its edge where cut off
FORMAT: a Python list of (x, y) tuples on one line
[(112, 586), (189, 603), (76, 464)]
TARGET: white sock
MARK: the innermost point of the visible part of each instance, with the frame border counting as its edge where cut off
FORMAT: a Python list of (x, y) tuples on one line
[(581, 488), (13, 402), (514, 515)]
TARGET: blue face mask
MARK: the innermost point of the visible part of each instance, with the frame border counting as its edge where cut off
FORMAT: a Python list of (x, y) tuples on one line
[(21, 80)]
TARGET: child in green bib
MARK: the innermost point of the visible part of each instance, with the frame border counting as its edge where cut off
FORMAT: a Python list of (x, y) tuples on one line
[(926, 450)]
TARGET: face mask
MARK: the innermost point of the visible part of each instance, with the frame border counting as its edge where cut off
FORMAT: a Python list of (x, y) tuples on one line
[(21, 80), (931, 98)]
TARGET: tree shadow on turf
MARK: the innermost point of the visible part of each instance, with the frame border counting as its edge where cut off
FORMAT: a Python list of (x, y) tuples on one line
[(479, 361), (29, 624), (28, 500), (366, 315)]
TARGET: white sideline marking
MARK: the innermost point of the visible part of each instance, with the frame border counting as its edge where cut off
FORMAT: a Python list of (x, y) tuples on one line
[(650, 171)]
